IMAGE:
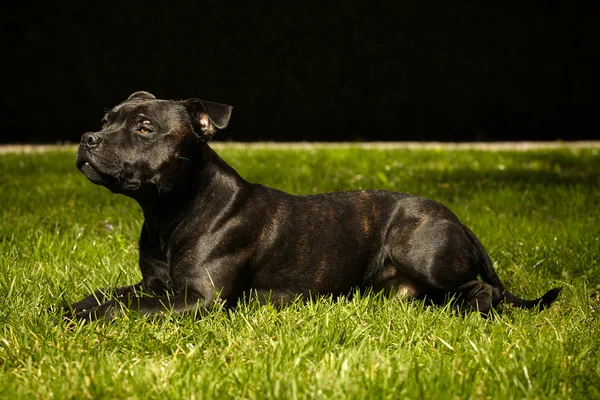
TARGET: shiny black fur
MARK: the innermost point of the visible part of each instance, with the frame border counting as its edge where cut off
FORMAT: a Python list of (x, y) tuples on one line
[(210, 237)]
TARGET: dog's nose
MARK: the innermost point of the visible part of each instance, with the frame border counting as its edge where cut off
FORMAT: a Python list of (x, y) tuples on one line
[(91, 139)]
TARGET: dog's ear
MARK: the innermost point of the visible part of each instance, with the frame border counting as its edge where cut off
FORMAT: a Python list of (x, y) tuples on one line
[(208, 116), (142, 95)]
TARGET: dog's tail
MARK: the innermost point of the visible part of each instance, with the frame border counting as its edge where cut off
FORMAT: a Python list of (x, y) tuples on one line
[(489, 275)]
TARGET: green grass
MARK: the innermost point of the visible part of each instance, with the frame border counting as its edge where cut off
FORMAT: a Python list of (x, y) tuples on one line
[(537, 213)]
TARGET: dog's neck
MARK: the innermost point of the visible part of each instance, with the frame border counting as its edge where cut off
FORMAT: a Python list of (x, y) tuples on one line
[(195, 187)]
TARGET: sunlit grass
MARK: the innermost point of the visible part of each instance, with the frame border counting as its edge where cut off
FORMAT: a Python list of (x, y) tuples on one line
[(537, 213)]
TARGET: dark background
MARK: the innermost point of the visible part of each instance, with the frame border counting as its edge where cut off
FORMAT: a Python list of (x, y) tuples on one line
[(309, 70)]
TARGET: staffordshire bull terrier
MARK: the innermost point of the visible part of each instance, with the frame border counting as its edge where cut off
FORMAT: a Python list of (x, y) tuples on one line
[(210, 238)]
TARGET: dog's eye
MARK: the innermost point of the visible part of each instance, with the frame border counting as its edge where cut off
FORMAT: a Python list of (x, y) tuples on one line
[(104, 122), (144, 130)]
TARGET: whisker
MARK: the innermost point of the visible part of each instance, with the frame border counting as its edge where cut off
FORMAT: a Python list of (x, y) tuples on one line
[(161, 188)]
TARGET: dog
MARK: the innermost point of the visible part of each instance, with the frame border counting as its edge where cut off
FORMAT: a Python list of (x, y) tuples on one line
[(211, 238)]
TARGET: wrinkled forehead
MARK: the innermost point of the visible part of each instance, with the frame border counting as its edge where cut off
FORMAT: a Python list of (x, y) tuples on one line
[(162, 110)]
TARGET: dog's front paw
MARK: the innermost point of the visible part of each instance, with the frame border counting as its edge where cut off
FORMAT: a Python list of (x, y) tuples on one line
[(56, 309), (107, 311), (86, 316)]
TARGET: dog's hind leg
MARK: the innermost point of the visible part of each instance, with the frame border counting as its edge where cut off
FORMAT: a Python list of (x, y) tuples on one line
[(479, 296)]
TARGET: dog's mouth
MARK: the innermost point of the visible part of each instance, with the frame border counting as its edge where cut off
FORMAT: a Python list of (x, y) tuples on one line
[(98, 175), (95, 174)]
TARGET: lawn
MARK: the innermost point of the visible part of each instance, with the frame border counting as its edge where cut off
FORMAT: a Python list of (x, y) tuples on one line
[(537, 212)]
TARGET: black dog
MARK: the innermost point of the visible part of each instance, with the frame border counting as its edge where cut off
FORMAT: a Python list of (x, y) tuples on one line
[(211, 237)]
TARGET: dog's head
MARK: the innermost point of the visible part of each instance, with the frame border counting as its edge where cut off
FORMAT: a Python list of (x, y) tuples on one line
[(144, 141)]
